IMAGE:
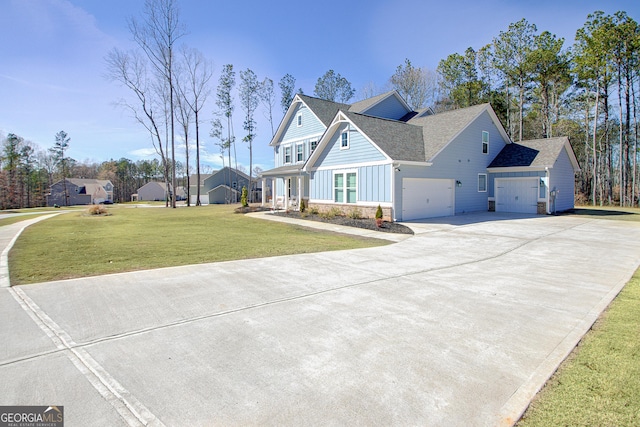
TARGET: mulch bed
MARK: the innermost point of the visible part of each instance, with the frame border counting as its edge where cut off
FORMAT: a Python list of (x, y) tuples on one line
[(367, 223)]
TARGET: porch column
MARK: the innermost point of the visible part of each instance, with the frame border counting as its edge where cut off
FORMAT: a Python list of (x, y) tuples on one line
[(264, 190), (300, 192), (286, 193)]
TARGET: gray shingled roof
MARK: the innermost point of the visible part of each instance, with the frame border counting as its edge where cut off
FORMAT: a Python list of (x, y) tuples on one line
[(398, 140), (325, 110), (533, 153), (439, 129)]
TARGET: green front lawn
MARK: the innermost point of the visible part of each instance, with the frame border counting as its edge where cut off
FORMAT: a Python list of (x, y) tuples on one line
[(599, 384), (135, 238)]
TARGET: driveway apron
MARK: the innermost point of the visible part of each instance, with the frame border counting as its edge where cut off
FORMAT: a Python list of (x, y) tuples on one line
[(459, 325)]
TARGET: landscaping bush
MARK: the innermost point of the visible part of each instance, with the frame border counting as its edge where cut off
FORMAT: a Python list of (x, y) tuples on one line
[(303, 206), (244, 197), (97, 210), (355, 213)]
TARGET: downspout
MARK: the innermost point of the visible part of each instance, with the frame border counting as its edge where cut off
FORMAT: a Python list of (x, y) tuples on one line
[(394, 169)]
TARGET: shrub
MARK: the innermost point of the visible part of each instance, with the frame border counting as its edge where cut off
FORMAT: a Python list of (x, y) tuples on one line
[(97, 210), (243, 198), (379, 214), (355, 213), (303, 206), (314, 211)]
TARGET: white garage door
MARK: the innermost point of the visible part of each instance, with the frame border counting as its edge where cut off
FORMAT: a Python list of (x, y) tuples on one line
[(426, 198), (517, 195)]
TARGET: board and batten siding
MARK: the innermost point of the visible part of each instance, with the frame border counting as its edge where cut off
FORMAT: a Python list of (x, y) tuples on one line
[(374, 183), (562, 178), (390, 108), (360, 150), (462, 160)]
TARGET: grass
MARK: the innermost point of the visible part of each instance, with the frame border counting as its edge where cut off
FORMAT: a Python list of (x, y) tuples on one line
[(599, 384), (135, 238), (608, 212)]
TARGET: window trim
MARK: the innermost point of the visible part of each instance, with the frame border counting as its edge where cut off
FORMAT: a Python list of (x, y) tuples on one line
[(284, 155), (485, 143), (299, 152), (486, 183), (345, 188), (299, 120), (342, 139)]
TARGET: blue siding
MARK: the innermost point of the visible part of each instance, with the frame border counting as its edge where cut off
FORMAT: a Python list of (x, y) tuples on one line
[(462, 160), (390, 108), (310, 125), (360, 150), (562, 178)]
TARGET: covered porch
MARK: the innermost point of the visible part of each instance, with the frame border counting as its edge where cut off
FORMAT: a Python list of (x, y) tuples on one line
[(289, 186)]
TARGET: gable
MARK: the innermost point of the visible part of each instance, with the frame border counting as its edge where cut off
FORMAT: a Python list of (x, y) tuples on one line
[(359, 150), (309, 124), (389, 105)]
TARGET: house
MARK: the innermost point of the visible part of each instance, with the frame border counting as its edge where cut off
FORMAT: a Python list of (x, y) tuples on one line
[(79, 191), (414, 164), (156, 191), (222, 186)]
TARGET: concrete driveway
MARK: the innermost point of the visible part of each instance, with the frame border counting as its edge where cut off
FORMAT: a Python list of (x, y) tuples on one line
[(459, 325)]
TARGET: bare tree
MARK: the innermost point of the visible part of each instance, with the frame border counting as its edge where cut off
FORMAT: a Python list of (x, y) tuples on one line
[(156, 34), (415, 84), (268, 99), (130, 70), (195, 92)]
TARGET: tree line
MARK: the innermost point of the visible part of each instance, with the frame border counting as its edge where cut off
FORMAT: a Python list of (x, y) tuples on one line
[(538, 86)]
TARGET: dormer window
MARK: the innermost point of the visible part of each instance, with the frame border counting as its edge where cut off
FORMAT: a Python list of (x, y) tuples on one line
[(344, 140), (299, 119)]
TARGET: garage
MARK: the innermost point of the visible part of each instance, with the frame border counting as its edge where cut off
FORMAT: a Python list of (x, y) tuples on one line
[(427, 198), (518, 195)]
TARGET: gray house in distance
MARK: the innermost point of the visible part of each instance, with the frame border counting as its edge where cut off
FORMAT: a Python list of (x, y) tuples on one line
[(156, 191), (222, 186), (78, 191)]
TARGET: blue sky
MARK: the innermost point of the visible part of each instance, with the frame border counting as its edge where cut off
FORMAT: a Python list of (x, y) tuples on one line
[(52, 54)]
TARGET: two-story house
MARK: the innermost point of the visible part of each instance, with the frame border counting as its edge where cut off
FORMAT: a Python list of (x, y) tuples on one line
[(414, 164)]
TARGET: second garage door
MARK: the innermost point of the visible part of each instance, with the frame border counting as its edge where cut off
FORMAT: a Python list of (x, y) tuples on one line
[(517, 195), (427, 198)]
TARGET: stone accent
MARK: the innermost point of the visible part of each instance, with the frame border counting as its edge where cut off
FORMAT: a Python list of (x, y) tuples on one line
[(492, 205), (542, 208), (365, 211)]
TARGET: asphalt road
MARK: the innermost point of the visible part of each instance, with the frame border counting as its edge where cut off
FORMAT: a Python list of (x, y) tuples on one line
[(459, 325)]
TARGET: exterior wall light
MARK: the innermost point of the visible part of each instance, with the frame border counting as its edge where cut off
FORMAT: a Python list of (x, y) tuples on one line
[(458, 183)]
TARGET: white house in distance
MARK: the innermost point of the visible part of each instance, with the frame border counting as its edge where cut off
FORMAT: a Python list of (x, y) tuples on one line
[(414, 164)]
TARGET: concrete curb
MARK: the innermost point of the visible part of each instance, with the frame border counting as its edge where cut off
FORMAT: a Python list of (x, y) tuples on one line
[(5, 281), (519, 402)]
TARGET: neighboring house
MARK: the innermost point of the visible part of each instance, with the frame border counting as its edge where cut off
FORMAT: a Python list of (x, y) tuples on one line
[(222, 186), (78, 191), (156, 191), (414, 164)]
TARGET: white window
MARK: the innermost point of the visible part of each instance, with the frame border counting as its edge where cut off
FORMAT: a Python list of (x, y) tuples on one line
[(344, 140), (299, 119), (345, 187), (485, 142), (482, 182), (314, 144), (299, 153), (287, 154)]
